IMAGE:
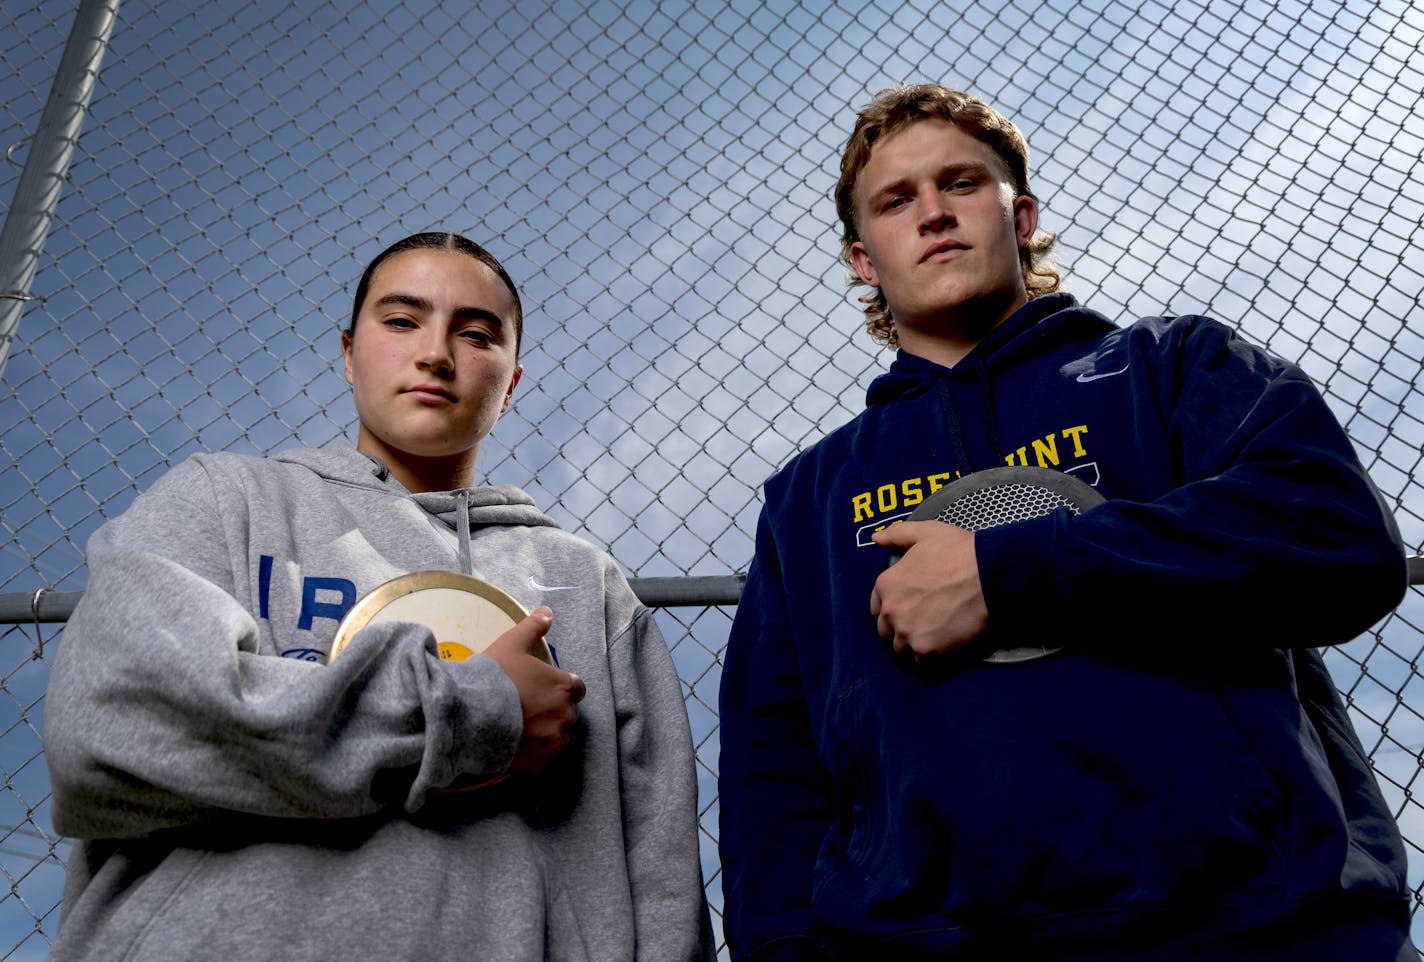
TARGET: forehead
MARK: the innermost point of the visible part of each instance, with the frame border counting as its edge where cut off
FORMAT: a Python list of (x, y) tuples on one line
[(924, 149), (447, 278)]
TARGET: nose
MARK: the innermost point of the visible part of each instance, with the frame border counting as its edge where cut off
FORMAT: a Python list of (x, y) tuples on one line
[(934, 212), (434, 354)]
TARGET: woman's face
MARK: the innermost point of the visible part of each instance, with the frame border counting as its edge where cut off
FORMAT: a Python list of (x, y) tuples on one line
[(432, 361)]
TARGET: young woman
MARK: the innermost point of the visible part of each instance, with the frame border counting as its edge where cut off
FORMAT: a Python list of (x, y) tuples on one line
[(234, 796)]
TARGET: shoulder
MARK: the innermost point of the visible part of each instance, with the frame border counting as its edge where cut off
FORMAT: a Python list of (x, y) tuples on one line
[(552, 547), (551, 539), (1193, 345), (1193, 332), (186, 509), (807, 468), (244, 475), (229, 463), (231, 484), (197, 475), (1169, 332)]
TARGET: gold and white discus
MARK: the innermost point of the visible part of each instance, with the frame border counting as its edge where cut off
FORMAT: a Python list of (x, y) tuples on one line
[(465, 613)]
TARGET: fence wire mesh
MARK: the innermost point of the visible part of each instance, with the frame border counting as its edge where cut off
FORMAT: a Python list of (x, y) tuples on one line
[(656, 177)]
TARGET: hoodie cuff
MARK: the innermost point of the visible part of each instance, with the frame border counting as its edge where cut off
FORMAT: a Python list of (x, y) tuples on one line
[(489, 719), (1018, 577)]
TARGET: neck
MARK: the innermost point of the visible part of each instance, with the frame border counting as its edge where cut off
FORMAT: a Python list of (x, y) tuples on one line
[(944, 351), (946, 338), (420, 474)]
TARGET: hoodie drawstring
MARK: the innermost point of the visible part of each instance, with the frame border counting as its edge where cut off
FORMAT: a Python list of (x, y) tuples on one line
[(467, 561), (956, 432), (991, 416)]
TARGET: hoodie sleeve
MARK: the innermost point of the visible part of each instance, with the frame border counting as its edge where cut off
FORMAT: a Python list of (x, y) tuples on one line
[(160, 713), (658, 781), (773, 793), (1271, 533)]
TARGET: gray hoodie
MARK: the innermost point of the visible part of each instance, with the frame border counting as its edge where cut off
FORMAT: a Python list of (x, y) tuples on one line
[(237, 798)]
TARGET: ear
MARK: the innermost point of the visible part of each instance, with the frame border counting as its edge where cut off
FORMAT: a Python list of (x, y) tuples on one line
[(1025, 219), (864, 268), (509, 394), (346, 355)]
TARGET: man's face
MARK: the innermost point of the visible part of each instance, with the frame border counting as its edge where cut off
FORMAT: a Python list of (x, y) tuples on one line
[(432, 362), (940, 232)]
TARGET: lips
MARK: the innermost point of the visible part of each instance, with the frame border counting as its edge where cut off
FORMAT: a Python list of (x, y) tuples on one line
[(430, 392), (943, 247)]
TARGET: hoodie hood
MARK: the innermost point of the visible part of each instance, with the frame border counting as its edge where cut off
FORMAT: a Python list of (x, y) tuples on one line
[(461, 510), (1042, 324)]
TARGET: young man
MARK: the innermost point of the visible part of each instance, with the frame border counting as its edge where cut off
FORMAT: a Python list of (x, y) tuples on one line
[(236, 798), (1179, 781)]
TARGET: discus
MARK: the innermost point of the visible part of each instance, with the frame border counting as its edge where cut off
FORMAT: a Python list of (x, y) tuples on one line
[(464, 613), (999, 496)]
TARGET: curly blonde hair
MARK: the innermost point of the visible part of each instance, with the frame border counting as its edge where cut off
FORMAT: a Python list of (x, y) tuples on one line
[(891, 111)]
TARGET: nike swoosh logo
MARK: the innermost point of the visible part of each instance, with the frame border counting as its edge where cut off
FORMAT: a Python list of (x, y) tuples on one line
[(538, 587), (1085, 378)]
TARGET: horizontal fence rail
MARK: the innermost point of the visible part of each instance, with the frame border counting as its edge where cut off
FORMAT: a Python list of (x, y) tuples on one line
[(46, 606)]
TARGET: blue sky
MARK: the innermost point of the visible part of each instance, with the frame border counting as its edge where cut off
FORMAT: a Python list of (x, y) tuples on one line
[(656, 177)]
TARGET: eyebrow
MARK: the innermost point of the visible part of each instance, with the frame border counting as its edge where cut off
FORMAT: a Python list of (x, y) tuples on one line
[(422, 304)]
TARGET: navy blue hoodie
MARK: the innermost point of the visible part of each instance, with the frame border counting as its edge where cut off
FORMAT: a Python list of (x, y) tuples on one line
[(1180, 782)]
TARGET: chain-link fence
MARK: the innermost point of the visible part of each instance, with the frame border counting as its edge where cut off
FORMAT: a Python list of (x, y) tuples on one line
[(656, 177)]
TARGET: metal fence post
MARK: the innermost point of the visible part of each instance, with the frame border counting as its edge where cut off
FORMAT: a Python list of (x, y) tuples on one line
[(47, 161)]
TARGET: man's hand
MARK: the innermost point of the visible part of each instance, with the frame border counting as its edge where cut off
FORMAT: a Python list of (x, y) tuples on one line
[(548, 695), (930, 602)]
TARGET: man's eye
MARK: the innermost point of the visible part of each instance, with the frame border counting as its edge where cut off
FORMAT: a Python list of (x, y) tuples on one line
[(399, 322), (895, 202), (477, 337)]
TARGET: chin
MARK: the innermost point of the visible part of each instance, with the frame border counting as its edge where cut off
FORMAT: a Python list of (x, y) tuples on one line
[(440, 453), (425, 449)]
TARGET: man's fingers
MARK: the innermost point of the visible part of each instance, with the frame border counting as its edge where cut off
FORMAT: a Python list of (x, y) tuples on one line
[(882, 621), (904, 534), (930, 603), (898, 535), (888, 634)]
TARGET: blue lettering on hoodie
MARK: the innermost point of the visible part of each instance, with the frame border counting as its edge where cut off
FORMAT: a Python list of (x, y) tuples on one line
[(312, 609)]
